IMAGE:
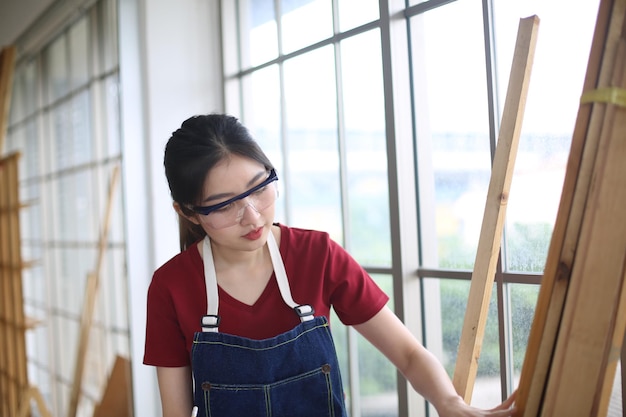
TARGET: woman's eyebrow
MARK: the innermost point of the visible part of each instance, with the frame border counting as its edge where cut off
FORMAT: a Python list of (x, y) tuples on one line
[(250, 184)]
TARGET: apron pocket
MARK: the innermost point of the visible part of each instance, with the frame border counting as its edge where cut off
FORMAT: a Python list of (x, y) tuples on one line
[(310, 394)]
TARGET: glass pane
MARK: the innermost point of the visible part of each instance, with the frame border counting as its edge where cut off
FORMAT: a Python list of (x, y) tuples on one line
[(453, 151), (353, 13), (261, 111), (60, 143), (30, 216), (111, 140), (305, 22), (74, 209), (56, 74), (366, 153), (82, 141), (258, 32), (79, 58), (377, 375), (24, 100), (454, 298), (312, 177), (31, 90), (31, 151), (377, 380), (523, 302), (18, 99), (108, 38), (555, 87)]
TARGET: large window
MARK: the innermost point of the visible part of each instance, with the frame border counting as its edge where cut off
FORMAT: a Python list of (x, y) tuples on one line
[(64, 122), (319, 83)]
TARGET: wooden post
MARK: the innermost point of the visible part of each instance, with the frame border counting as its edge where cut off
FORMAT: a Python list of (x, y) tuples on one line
[(495, 210), (91, 290)]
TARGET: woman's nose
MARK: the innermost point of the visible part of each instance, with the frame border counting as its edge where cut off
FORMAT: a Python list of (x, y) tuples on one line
[(249, 212)]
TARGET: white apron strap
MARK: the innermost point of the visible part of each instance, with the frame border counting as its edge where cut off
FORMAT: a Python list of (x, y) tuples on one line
[(211, 321), (305, 312)]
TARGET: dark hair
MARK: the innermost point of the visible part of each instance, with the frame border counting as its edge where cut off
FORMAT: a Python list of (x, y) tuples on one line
[(193, 150)]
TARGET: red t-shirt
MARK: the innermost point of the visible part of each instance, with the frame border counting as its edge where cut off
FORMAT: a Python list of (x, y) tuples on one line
[(320, 272)]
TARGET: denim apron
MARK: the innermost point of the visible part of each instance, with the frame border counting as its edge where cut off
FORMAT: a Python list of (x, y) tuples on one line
[(294, 374)]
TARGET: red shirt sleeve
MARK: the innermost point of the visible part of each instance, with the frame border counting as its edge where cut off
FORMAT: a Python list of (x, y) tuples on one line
[(176, 303)]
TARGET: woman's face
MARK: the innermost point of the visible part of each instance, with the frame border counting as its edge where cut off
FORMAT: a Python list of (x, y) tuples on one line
[(244, 223)]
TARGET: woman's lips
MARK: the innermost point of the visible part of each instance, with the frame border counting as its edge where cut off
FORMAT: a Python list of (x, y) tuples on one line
[(255, 234)]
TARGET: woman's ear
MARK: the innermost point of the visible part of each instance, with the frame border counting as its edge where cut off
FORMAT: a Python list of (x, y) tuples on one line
[(179, 209)]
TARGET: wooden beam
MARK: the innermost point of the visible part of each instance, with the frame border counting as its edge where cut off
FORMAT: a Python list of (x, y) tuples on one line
[(91, 290), (495, 210)]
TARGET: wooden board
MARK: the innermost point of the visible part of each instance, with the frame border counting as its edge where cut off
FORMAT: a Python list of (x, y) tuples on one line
[(495, 210), (7, 66), (117, 399), (570, 250), (591, 328)]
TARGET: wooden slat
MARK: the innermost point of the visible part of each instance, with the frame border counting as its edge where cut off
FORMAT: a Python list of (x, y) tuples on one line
[(7, 66), (91, 290), (495, 210), (566, 233)]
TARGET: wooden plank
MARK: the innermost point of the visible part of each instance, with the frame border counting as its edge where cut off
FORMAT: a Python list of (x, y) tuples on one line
[(116, 400), (565, 235), (495, 210), (590, 322), (7, 66), (91, 290), (5, 302), (19, 325)]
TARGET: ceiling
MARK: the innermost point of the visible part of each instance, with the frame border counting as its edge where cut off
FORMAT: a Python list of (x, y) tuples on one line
[(17, 15)]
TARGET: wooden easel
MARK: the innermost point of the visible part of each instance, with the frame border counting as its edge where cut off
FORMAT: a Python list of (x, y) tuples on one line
[(578, 329), (495, 210), (15, 393)]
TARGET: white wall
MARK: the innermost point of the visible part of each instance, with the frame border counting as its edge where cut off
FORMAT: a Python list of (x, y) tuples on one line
[(169, 53)]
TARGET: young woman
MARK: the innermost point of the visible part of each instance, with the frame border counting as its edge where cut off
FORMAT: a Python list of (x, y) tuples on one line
[(237, 322)]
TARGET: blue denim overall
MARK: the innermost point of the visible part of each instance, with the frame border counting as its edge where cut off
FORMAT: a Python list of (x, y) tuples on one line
[(294, 374)]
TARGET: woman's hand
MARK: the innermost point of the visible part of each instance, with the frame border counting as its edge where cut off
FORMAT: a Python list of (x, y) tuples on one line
[(458, 408)]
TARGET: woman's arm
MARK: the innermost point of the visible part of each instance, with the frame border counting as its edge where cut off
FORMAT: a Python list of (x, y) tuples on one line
[(420, 367), (176, 391)]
